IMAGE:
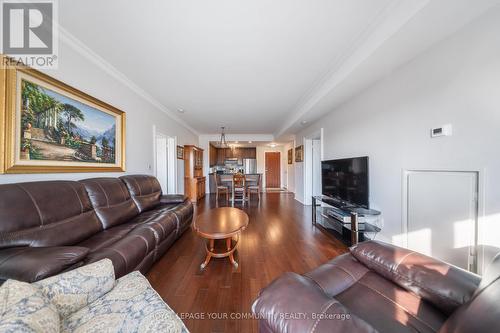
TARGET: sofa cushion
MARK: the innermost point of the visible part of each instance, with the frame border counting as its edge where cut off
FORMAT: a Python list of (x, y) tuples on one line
[(111, 200), (163, 222), (73, 290), (23, 308), (38, 214), (390, 308), (145, 190), (132, 306), (444, 285), (107, 237), (35, 263), (170, 199), (294, 303), (362, 291), (128, 252)]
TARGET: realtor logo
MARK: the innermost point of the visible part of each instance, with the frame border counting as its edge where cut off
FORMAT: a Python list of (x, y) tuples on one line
[(28, 32)]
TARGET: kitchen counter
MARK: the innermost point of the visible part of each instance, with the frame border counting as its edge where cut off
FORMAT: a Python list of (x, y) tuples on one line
[(212, 184)]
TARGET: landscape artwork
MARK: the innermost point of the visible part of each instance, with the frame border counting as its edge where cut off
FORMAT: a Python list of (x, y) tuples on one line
[(299, 154), (58, 128)]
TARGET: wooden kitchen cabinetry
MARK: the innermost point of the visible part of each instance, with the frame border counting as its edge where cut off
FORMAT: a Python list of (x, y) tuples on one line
[(212, 154), (194, 182), (219, 155)]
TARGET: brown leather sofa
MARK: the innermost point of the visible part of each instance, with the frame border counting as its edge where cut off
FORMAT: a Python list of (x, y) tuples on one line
[(48, 227), (379, 287)]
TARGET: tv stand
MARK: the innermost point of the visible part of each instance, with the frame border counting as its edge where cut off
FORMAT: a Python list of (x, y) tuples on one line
[(350, 224)]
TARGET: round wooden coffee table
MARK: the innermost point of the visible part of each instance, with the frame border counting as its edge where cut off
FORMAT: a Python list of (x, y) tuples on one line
[(221, 223)]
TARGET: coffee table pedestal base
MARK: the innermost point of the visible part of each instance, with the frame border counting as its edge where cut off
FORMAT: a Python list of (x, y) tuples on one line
[(211, 253)]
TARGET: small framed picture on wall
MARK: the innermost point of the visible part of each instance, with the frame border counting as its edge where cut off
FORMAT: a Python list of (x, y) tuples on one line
[(299, 154), (180, 152), (290, 156)]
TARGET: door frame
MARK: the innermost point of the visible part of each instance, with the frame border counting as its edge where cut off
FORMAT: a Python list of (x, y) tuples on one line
[(308, 163), (279, 168), (172, 178), (474, 255)]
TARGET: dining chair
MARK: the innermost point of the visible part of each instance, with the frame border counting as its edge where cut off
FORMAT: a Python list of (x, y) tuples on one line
[(239, 189), (224, 184), (253, 185)]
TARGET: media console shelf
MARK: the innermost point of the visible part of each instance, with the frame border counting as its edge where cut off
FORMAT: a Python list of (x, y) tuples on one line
[(348, 224)]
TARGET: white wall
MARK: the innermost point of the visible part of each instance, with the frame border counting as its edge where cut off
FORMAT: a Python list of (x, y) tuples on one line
[(457, 82), (82, 74)]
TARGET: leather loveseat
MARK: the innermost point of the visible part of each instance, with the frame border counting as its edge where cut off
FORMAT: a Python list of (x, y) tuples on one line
[(48, 227), (379, 287)]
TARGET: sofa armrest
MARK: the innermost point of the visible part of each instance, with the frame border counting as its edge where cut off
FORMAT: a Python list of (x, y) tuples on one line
[(295, 303), (31, 264), (172, 199), (444, 285)]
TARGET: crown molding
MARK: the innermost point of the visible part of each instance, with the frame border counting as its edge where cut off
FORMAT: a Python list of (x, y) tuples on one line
[(384, 25), (69, 39)]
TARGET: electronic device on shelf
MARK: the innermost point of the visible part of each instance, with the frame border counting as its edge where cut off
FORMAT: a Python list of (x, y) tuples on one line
[(345, 181)]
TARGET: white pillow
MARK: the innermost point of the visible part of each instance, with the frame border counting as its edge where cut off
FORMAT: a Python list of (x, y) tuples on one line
[(23, 308)]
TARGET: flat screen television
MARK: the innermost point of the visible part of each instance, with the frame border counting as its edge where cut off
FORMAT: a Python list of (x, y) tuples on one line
[(346, 180)]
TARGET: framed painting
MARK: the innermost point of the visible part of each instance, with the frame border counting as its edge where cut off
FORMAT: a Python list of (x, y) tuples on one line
[(52, 127), (180, 152), (299, 154), (290, 156)]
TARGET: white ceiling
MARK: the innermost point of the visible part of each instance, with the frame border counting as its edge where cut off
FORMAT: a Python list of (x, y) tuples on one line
[(257, 66)]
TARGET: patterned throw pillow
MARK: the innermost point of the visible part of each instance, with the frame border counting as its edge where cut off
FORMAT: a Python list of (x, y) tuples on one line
[(75, 289), (23, 308), (132, 306)]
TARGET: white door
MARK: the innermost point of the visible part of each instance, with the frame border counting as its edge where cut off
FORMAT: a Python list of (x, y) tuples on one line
[(162, 161), (442, 214)]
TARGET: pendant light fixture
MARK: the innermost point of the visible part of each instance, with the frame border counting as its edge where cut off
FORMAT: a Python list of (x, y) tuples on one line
[(222, 141)]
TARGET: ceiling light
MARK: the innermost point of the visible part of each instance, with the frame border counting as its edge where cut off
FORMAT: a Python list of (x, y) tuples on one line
[(249, 141), (181, 110), (222, 141), (272, 145), (303, 122)]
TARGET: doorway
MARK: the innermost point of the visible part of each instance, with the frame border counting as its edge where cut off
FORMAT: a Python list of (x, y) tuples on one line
[(165, 163), (316, 167), (273, 169), (313, 155), (440, 215)]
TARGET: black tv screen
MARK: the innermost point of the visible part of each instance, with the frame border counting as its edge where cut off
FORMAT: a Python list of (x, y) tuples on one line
[(346, 180)]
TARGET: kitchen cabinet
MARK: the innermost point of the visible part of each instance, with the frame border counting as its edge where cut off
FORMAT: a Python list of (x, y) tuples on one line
[(221, 154), (212, 155), (194, 182)]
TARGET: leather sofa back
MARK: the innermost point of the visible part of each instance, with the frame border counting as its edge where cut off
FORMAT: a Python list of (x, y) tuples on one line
[(145, 190), (482, 313), (111, 200), (45, 213), (444, 285)]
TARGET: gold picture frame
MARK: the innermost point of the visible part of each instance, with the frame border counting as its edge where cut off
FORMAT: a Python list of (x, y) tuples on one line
[(180, 152), (299, 153), (51, 127), (290, 156)]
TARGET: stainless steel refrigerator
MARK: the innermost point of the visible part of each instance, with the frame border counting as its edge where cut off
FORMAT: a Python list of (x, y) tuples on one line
[(250, 165)]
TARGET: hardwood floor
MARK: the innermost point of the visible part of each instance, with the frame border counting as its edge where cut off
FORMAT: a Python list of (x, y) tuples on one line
[(279, 238)]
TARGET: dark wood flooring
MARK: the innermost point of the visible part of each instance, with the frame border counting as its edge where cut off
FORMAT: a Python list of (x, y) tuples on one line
[(279, 238)]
